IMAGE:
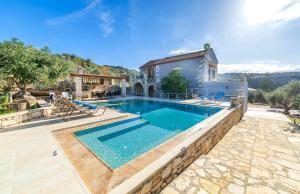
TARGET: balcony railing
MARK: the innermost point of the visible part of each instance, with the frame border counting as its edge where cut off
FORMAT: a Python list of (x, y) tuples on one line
[(176, 96)]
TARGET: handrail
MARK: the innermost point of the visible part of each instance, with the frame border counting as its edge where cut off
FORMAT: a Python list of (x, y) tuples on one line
[(173, 94)]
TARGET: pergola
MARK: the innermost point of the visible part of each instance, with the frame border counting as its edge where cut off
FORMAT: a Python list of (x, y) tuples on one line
[(96, 79)]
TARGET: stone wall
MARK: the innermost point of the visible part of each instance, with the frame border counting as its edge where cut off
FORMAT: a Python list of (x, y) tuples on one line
[(20, 117), (202, 145)]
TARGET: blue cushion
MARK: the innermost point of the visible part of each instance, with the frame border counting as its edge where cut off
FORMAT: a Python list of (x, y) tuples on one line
[(77, 102), (85, 104), (219, 95), (92, 107)]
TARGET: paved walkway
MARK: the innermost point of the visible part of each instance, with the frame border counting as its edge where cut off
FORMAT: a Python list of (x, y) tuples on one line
[(260, 155), (31, 161)]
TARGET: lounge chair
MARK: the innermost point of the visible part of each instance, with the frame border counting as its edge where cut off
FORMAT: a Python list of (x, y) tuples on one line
[(59, 106), (83, 107), (66, 108), (219, 96)]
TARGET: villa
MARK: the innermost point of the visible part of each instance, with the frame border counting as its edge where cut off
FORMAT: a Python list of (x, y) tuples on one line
[(200, 68), (204, 66)]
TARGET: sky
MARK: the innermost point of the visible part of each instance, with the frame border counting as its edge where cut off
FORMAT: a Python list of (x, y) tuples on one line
[(246, 35)]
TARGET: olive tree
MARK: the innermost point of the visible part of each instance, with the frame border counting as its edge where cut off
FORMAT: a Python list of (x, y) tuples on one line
[(25, 65), (287, 96), (174, 82)]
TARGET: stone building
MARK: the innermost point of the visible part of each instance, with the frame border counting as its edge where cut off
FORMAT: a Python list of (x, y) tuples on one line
[(92, 83), (198, 67)]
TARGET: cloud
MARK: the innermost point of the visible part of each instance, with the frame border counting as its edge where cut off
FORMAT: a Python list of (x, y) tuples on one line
[(194, 45), (209, 39), (106, 23), (73, 15), (188, 46), (179, 51), (273, 12), (106, 20), (257, 68)]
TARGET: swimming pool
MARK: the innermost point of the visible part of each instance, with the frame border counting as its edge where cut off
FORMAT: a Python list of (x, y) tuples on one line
[(118, 143)]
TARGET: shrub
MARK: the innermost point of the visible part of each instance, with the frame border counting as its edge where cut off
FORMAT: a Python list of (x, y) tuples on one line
[(4, 99), (257, 96), (174, 82)]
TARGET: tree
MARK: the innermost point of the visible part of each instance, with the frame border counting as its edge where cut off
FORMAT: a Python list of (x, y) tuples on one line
[(257, 96), (266, 83), (287, 96), (26, 65), (105, 70), (275, 98), (174, 82)]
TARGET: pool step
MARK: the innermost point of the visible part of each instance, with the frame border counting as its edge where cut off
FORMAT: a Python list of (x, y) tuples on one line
[(112, 129), (133, 126), (102, 127)]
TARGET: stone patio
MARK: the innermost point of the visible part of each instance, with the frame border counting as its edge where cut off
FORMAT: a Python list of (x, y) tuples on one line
[(260, 155), (31, 161)]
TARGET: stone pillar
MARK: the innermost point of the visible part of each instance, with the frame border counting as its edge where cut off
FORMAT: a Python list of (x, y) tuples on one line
[(123, 87), (235, 101), (145, 84), (131, 83), (78, 87)]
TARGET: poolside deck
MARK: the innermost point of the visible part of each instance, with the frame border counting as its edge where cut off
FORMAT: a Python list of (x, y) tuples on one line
[(259, 155), (31, 161)]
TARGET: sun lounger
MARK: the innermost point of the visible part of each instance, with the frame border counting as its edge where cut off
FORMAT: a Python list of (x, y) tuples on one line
[(83, 108), (219, 96), (66, 108)]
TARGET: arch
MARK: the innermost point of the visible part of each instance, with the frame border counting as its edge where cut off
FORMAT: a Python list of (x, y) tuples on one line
[(151, 91), (68, 90), (138, 89)]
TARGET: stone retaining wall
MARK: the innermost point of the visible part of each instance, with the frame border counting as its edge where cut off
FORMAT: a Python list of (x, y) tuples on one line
[(203, 145), (20, 117)]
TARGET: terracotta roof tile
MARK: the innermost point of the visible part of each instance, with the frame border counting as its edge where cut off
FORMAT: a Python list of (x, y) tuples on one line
[(175, 58)]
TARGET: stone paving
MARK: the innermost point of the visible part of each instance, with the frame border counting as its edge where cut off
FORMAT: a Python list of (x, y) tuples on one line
[(260, 155), (31, 161)]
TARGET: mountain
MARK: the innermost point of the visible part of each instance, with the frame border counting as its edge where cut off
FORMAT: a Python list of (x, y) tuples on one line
[(89, 66), (265, 81)]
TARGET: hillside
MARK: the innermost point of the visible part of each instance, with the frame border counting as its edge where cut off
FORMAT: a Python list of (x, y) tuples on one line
[(90, 67), (266, 81)]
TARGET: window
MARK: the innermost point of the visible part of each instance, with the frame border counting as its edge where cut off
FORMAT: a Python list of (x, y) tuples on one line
[(101, 81), (150, 73), (213, 74)]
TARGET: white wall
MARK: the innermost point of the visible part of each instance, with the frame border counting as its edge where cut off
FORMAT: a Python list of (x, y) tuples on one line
[(191, 69)]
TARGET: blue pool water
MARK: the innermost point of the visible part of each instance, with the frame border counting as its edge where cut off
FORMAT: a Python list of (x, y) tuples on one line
[(118, 143)]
